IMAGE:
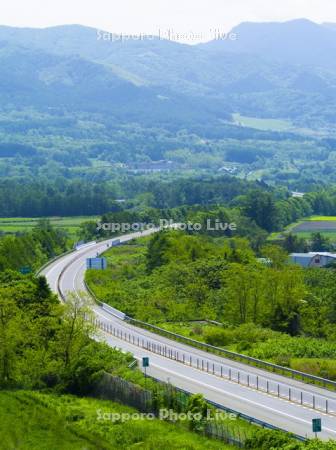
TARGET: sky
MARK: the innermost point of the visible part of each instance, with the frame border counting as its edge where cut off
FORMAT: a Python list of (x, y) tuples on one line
[(192, 19)]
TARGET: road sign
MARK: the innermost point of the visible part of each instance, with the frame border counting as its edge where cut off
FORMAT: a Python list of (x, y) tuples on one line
[(96, 263), (317, 425), (145, 362), (25, 270)]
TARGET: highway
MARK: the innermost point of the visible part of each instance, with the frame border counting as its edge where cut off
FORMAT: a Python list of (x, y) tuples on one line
[(276, 400)]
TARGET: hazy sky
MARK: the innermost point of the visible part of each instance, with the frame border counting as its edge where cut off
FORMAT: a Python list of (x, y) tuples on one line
[(149, 16)]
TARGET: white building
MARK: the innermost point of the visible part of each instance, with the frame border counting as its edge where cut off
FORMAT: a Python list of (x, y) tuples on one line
[(313, 259)]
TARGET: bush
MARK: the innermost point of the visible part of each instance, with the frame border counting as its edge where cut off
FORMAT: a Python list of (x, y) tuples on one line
[(271, 440), (325, 368), (217, 336)]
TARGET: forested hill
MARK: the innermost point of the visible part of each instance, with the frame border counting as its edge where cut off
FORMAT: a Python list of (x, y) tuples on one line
[(77, 64)]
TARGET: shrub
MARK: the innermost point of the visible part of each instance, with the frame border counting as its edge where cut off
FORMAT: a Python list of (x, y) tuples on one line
[(271, 440)]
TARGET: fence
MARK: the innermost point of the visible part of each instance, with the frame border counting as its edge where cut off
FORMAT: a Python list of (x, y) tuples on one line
[(279, 390), (165, 396), (223, 371), (270, 367), (285, 371)]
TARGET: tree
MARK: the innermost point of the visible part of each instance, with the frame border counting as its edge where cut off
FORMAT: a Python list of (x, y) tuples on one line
[(9, 337), (76, 330), (261, 207), (277, 257), (320, 243), (156, 252), (292, 243), (198, 409)]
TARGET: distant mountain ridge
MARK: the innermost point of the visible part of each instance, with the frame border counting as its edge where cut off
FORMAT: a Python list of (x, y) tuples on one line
[(295, 42), (70, 66)]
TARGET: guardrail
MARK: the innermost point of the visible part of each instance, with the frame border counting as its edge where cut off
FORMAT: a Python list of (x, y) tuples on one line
[(286, 371), (105, 306), (238, 357), (38, 272), (240, 415), (249, 380), (296, 396), (219, 370)]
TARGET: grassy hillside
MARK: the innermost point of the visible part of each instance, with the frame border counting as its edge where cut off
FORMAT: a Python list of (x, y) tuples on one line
[(31, 420)]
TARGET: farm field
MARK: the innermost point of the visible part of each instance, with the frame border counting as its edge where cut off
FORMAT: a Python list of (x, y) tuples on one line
[(262, 124), (313, 224), (326, 225), (20, 224)]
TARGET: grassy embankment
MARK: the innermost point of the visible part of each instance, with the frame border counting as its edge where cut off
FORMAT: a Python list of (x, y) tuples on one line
[(31, 420)]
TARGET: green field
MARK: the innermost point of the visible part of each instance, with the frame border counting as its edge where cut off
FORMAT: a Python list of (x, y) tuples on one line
[(326, 225), (319, 218), (32, 420), (307, 235), (262, 124), (19, 224)]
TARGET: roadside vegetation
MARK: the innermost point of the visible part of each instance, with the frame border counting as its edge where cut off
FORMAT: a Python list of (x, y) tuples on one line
[(31, 420), (169, 279), (276, 312)]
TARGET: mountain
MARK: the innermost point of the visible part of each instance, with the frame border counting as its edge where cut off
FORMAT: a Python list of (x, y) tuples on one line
[(330, 25), (273, 70), (32, 77), (298, 42), (250, 84)]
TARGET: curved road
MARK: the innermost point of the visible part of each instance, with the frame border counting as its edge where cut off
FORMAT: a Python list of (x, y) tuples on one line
[(280, 401)]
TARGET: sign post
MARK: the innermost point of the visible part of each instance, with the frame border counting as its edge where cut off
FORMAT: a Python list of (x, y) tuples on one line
[(317, 426), (96, 263), (145, 364)]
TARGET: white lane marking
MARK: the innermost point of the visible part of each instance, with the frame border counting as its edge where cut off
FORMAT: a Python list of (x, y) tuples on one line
[(128, 345), (272, 394), (209, 386), (205, 384), (269, 394)]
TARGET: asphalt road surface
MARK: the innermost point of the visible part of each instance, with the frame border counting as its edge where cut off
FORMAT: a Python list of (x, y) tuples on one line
[(280, 401)]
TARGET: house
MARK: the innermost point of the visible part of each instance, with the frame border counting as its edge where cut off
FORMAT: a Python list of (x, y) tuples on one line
[(297, 194), (313, 259)]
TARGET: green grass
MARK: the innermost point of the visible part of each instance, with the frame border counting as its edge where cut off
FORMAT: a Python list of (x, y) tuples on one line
[(20, 224), (319, 218), (262, 124), (33, 420), (331, 234), (307, 234)]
